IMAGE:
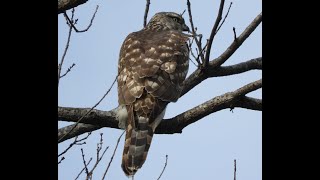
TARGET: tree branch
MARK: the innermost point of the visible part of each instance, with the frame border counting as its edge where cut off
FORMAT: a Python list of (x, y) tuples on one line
[(252, 64), (146, 13), (165, 165), (88, 112), (75, 142), (235, 169), (198, 76), (193, 31), (65, 49), (109, 119), (114, 152), (227, 100), (64, 5), (81, 128), (213, 33), (225, 17), (237, 43), (83, 169), (73, 24), (68, 70)]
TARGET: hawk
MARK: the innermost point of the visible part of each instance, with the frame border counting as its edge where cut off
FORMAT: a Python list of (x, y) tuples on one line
[(153, 63)]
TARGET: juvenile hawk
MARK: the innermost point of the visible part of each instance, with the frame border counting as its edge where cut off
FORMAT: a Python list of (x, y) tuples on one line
[(153, 64)]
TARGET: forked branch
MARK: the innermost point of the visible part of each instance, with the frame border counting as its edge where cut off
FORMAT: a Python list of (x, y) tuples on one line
[(97, 119), (64, 5)]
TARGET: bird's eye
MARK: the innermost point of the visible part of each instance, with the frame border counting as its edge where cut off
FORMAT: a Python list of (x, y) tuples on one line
[(175, 19)]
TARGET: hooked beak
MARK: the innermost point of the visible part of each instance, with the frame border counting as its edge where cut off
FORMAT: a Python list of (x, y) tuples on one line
[(185, 28)]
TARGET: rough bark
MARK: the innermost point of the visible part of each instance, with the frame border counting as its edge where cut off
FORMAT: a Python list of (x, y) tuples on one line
[(64, 5), (98, 119)]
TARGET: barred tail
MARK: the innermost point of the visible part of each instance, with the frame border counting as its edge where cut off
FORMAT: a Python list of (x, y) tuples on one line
[(137, 143)]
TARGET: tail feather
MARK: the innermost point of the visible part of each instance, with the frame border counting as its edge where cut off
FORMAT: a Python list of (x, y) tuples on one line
[(137, 143)]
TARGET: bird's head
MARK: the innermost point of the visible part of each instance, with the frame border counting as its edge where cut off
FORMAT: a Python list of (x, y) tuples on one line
[(167, 21)]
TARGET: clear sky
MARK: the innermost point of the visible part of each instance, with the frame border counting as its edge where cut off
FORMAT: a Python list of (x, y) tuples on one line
[(205, 149)]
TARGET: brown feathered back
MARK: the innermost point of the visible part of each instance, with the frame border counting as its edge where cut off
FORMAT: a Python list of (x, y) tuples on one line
[(153, 64)]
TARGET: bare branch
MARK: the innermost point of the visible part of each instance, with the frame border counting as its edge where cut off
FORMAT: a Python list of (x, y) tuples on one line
[(75, 142), (233, 99), (248, 103), (73, 24), (114, 152), (201, 53), (252, 64), (146, 13), (99, 158), (78, 130), (190, 16), (193, 29), (84, 162), (60, 139), (235, 169), (68, 70), (83, 168), (61, 160), (165, 165), (227, 100), (236, 44), (65, 49), (192, 54), (234, 34), (64, 5), (225, 17), (213, 33), (198, 76), (193, 62)]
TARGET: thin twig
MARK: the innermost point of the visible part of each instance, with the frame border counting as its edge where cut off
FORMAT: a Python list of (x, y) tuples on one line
[(235, 169), (236, 44), (61, 160), (182, 12), (89, 110), (225, 17), (99, 158), (83, 169), (69, 69), (190, 42), (75, 142), (64, 5), (194, 30), (84, 162), (193, 62), (165, 165), (66, 48), (192, 54), (234, 34), (190, 16), (213, 33), (146, 13), (115, 149), (99, 147), (202, 51), (74, 27)]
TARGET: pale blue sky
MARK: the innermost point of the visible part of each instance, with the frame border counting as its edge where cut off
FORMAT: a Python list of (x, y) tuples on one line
[(205, 149)]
